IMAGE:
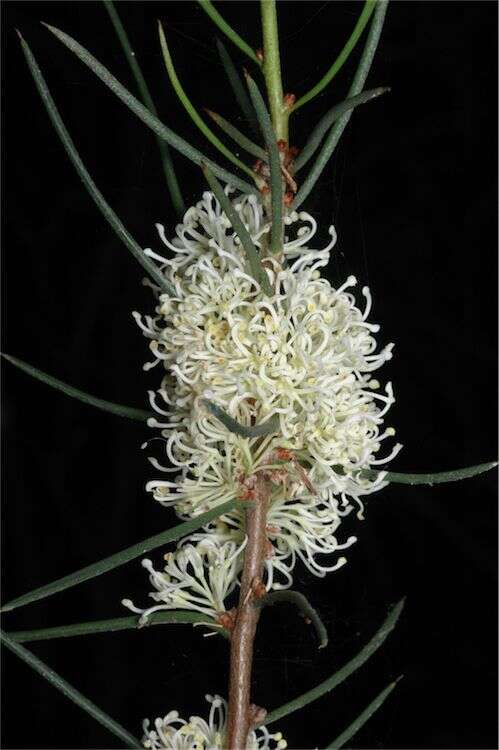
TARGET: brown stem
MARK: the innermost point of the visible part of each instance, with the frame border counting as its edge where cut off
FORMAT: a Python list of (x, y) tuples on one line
[(242, 637)]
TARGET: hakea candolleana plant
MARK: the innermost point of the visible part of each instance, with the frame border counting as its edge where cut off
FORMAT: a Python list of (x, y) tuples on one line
[(266, 398)]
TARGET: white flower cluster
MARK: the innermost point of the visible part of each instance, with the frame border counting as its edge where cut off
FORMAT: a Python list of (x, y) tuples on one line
[(197, 734), (305, 355)]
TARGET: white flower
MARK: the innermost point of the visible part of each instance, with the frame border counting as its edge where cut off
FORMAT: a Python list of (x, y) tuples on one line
[(197, 577), (305, 354), (197, 734)]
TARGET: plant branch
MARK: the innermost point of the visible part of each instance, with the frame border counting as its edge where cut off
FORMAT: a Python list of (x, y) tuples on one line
[(239, 720), (272, 69)]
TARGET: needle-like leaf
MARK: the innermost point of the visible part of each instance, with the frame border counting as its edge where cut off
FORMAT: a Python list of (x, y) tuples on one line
[(191, 110), (147, 117), (238, 87), (140, 415), (436, 478), (342, 674), (254, 261), (329, 118), (276, 238), (120, 558), (359, 722), (356, 87), (145, 94), (237, 136), (229, 32), (110, 626), (342, 57), (300, 601), (267, 428), (94, 192), (69, 691)]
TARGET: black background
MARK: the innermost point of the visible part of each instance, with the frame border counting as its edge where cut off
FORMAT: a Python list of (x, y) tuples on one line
[(412, 192)]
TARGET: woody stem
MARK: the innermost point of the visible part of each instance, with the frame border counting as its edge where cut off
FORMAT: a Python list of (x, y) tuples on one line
[(239, 718)]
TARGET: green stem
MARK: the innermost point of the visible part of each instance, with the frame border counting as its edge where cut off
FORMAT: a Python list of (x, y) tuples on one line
[(272, 69)]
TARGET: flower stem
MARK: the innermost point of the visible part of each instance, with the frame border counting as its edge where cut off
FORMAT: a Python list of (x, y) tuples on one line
[(272, 69), (239, 721)]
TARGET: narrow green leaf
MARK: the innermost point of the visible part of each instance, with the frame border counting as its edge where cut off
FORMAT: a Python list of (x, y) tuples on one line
[(300, 601), (356, 87), (120, 558), (94, 192), (254, 261), (191, 110), (166, 159), (359, 722), (342, 674), (436, 478), (229, 32), (147, 117), (342, 57), (110, 626), (238, 87), (237, 136), (121, 411), (276, 241), (267, 428), (329, 118), (69, 691)]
